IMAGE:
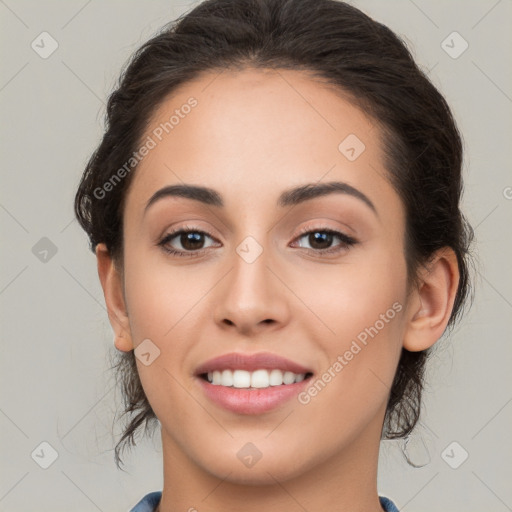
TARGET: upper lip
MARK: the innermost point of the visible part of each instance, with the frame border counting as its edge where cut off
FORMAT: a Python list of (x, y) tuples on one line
[(251, 362)]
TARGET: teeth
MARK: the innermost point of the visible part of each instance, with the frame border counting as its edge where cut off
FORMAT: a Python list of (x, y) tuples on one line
[(276, 378), (288, 378), (241, 379), (227, 378), (256, 379)]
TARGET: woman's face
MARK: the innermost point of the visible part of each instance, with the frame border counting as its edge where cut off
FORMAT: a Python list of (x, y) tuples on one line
[(317, 279)]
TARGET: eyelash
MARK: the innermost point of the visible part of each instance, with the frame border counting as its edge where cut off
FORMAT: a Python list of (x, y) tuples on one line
[(346, 241)]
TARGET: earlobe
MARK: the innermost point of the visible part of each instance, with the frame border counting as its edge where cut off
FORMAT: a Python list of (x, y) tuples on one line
[(431, 303), (123, 344), (111, 282)]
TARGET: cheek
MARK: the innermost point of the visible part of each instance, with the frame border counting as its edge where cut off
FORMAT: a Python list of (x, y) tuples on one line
[(161, 309), (361, 311), (160, 296), (348, 297), (354, 383)]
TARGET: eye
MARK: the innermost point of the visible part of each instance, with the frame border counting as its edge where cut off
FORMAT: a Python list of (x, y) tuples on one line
[(190, 239), (320, 240)]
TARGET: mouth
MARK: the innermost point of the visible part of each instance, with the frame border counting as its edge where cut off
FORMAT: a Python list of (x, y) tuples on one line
[(251, 384)]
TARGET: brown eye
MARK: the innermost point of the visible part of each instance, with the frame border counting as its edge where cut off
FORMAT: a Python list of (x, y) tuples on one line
[(191, 241), (185, 242), (320, 241)]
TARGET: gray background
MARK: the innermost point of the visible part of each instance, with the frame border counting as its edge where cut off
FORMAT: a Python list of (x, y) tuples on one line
[(55, 382)]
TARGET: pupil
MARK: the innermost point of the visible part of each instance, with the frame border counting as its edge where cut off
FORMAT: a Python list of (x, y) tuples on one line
[(192, 241), (320, 237)]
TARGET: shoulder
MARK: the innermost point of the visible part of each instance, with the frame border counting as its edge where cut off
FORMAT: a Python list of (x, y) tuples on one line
[(148, 503), (387, 504)]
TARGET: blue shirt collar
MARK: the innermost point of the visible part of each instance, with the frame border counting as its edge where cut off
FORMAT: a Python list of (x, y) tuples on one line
[(151, 500)]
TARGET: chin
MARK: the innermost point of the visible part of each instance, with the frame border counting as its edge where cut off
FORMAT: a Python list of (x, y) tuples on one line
[(271, 465)]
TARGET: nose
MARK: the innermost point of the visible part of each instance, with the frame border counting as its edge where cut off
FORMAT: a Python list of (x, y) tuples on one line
[(251, 298)]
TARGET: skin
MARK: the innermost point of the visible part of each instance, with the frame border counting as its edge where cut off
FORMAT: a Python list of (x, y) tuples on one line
[(254, 134)]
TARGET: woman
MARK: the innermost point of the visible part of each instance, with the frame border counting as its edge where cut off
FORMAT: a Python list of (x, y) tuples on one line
[(274, 208)]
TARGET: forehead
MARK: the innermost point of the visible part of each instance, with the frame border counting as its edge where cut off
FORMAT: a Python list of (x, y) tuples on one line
[(253, 133)]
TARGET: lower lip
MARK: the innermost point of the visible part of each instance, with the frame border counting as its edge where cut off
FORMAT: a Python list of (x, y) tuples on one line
[(251, 401)]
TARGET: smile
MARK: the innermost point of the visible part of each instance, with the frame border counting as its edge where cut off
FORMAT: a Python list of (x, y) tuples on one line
[(251, 383)]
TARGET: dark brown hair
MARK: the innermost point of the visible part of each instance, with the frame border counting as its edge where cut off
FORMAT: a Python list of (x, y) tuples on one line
[(359, 57)]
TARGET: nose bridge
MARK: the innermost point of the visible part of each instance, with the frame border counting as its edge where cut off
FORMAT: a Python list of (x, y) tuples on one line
[(250, 272), (251, 294)]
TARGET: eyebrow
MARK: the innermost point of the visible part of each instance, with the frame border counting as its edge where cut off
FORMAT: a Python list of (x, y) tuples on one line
[(291, 197)]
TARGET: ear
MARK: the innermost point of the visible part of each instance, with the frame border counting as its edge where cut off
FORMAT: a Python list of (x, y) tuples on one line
[(111, 282), (431, 302)]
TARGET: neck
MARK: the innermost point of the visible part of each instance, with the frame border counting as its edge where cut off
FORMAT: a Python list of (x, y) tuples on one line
[(342, 483)]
